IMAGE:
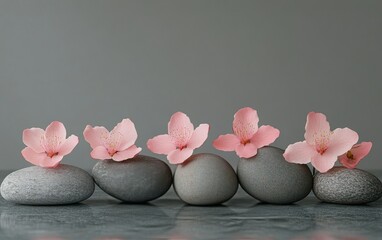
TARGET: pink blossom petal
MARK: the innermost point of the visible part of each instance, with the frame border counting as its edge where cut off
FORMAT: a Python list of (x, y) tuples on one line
[(245, 123), (161, 144), (40, 159), (180, 129), (124, 133), (126, 154), (300, 152), (199, 136), (68, 145), (361, 150), (55, 130), (265, 136), (51, 162), (179, 156), (355, 155), (341, 141), (324, 162), (316, 123), (33, 138), (227, 142), (246, 151), (32, 156), (100, 153), (95, 136)]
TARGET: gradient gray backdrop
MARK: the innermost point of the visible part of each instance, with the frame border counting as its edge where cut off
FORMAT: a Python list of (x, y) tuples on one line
[(96, 62)]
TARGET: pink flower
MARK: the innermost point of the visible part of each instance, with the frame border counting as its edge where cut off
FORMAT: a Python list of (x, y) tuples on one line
[(321, 146), (247, 137), (47, 148), (181, 139), (119, 144), (352, 157)]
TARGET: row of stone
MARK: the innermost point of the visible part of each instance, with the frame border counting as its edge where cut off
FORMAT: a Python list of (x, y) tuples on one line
[(204, 179)]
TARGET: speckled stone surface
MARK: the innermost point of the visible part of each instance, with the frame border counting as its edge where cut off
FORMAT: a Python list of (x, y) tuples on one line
[(35, 185), (205, 179), (135, 180), (347, 186), (269, 178)]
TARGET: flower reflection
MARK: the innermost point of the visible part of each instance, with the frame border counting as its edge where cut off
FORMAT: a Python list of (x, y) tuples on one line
[(49, 238), (328, 236)]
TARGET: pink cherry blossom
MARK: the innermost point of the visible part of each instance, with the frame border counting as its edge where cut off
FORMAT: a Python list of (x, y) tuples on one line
[(321, 146), (181, 139), (118, 144), (46, 148), (352, 157), (247, 136)]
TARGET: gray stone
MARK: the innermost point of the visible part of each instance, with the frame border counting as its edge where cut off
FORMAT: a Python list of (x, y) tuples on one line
[(137, 180), (35, 185), (269, 178), (205, 179), (347, 186)]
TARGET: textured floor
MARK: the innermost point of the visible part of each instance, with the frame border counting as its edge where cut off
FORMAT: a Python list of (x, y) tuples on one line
[(102, 217)]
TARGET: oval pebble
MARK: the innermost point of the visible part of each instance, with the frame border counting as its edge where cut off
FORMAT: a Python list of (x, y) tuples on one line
[(64, 184), (205, 179), (136, 180), (269, 178), (347, 186)]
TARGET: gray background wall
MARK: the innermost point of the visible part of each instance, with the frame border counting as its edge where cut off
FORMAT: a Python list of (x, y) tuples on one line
[(89, 61)]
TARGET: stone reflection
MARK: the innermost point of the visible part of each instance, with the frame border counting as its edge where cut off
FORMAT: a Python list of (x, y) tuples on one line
[(108, 219), (215, 222), (111, 221), (130, 221), (48, 238), (110, 238), (267, 221), (44, 222), (348, 220)]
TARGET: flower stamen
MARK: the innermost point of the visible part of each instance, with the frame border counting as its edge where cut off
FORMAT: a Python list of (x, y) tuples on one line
[(349, 155), (181, 136), (322, 140)]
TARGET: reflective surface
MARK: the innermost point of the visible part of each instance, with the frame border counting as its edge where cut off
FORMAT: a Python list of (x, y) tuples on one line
[(102, 217)]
